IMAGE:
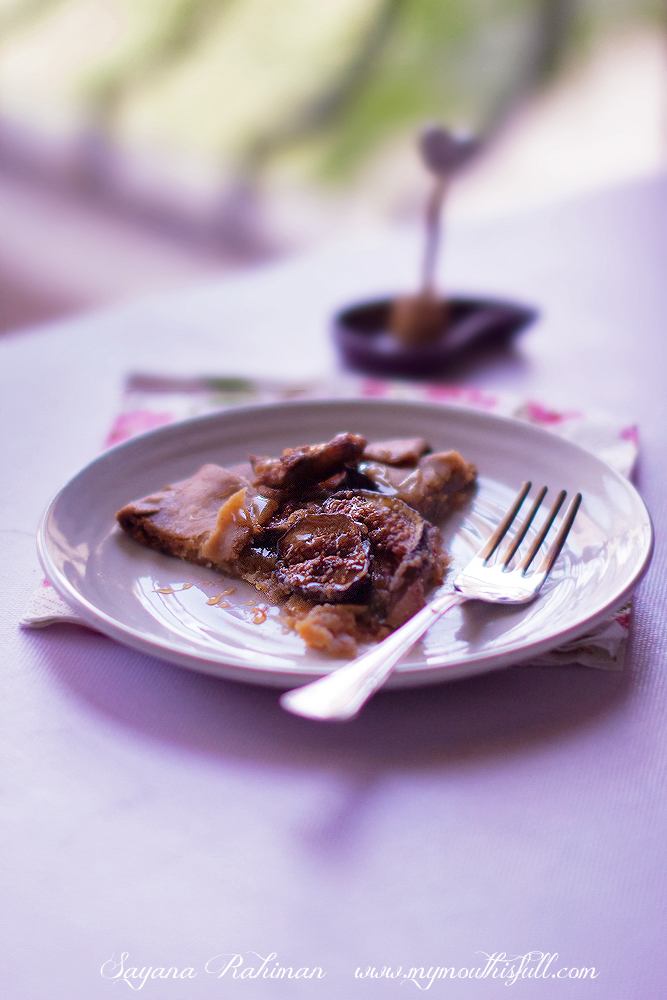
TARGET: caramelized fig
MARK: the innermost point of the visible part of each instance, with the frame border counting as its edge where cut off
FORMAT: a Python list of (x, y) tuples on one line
[(404, 549), (393, 527), (324, 557), (437, 482), (315, 463)]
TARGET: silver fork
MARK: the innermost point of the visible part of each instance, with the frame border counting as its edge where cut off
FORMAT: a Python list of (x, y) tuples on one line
[(340, 694)]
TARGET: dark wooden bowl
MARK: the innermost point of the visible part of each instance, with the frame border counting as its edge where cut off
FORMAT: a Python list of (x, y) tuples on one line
[(362, 336)]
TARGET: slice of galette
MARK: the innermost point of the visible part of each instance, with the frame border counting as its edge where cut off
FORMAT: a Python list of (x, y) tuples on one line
[(336, 531)]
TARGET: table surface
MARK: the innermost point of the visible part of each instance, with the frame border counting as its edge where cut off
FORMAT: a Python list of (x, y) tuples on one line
[(173, 817)]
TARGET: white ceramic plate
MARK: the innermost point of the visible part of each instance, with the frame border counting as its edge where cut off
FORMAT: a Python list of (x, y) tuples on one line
[(159, 604)]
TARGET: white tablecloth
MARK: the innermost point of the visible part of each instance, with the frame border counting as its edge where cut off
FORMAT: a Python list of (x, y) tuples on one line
[(171, 817)]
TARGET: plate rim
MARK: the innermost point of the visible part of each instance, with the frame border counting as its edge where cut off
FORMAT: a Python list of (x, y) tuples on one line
[(267, 676)]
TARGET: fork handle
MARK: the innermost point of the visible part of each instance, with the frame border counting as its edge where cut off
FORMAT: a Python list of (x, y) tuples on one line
[(339, 695)]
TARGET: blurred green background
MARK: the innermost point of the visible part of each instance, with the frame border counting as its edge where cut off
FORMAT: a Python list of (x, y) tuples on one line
[(236, 87), (146, 143)]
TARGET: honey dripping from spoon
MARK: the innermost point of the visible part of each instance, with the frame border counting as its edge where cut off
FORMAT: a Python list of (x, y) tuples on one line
[(418, 319)]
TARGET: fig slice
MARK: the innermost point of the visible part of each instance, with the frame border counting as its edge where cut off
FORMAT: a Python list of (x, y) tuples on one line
[(314, 463), (394, 529), (324, 557)]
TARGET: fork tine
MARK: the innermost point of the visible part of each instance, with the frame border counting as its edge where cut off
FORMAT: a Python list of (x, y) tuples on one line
[(496, 538), (542, 534), (521, 533), (559, 540)]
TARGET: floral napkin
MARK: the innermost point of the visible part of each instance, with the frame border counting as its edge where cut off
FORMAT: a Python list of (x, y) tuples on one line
[(151, 401)]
